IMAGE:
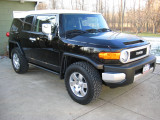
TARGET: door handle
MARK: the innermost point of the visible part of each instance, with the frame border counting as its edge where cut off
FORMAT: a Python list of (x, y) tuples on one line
[(32, 39)]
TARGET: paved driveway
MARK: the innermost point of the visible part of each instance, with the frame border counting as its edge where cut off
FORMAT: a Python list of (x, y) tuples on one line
[(40, 95)]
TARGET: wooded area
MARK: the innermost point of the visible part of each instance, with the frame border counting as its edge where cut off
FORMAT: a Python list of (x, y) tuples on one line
[(140, 16)]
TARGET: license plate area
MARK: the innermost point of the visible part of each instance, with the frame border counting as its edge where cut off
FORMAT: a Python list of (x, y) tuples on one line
[(146, 68)]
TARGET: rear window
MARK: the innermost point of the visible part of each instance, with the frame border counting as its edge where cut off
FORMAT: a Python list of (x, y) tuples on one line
[(28, 23), (16, 25)]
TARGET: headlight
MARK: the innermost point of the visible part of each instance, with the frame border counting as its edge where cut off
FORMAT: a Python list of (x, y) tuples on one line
[(124, 56)]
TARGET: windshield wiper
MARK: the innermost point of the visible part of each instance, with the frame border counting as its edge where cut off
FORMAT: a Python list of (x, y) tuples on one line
[(98, 30), (92, 30), (73, 33), (104, 30)]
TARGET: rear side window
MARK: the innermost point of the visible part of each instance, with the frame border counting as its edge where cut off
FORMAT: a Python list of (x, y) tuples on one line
[(16, 25), (45, 19), (28, 23)]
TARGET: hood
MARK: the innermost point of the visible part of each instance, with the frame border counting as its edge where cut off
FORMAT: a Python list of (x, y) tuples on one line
[(111, 39)]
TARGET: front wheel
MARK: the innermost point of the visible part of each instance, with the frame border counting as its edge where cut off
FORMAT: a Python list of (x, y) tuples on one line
[(83, 82)]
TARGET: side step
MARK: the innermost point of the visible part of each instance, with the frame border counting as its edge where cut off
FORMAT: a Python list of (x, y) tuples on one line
[(45, 69)]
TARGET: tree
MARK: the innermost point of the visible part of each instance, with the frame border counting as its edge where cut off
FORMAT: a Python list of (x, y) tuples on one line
[(54, 4), (154, 14), (62, 5), (123, 5), (71, 4), (82, 4)]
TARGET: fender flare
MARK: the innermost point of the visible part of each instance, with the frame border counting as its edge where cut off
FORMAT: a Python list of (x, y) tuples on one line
[(17, 44), (64, 60)]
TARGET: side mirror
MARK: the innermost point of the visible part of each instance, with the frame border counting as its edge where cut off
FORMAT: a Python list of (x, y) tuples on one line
[(46, 28)]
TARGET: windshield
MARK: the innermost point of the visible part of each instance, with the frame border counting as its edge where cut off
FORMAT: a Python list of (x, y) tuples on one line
[(83, 22)]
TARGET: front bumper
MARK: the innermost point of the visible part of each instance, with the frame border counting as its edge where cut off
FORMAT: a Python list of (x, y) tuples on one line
[(127, 73)]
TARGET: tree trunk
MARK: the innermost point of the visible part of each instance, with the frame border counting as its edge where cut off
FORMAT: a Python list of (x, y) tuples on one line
[(76, 5), (147, 27), (72, 4), (96, 5), (82, 4), (121, 16), (154, 28)]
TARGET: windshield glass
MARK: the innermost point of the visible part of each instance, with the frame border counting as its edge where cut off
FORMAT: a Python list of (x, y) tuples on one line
[(83, 22)]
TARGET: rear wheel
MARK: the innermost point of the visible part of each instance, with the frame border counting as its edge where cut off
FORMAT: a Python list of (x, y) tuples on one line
[(83, 82), (19, 62)]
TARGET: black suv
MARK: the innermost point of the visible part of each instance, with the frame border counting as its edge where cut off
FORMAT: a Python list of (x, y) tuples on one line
[(81, 48)]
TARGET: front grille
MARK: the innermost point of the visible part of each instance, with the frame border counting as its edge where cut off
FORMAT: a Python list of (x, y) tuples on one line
[(138, 53)]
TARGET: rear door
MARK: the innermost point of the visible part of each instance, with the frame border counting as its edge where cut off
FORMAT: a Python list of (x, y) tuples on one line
[(26, 43), (46, 52), (15, 29)]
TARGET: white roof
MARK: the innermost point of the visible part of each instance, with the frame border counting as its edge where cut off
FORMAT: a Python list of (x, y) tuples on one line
[(23, 14), (22, 1)]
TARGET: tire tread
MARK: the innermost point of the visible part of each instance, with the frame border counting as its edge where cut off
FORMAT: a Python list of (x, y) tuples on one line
[(95, 78)]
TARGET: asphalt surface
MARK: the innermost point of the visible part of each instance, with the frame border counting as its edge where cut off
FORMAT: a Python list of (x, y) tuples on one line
[(41, 95)]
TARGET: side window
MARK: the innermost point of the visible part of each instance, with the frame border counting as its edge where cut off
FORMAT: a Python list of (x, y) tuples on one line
[(28, 23), (16, 25), (45, 19)]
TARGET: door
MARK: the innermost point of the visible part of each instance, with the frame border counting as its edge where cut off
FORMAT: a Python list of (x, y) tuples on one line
[(24, 35), (46, 52)]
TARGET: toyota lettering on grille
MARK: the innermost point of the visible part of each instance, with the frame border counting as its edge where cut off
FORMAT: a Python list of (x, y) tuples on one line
[(139, 52)]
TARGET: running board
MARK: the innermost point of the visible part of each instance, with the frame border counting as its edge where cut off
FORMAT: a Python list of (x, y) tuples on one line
[(45, 69)]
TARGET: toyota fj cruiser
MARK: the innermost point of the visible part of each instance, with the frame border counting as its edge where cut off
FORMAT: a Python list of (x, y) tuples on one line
[(80, 47)]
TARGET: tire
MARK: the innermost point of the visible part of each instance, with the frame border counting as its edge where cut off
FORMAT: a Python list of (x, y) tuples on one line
[(89, 76), (19, 62)]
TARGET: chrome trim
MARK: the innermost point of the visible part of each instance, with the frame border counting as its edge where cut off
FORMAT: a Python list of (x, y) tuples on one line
[(16, 61), (138, 76), (32, 39), (110, 77), (134, 49)]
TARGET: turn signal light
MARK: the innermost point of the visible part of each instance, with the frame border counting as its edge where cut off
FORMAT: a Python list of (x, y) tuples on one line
[(109, 55), (7, 34)]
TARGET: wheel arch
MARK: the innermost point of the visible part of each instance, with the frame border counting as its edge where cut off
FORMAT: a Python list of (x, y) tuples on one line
[(69, 58), (13, 44)]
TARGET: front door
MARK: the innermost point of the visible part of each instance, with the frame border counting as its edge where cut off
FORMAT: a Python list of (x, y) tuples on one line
[(46, 52)]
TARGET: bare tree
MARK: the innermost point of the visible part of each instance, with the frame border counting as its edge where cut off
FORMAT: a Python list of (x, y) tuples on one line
[(71, 4), (123, 5), (82, 4), (97, 1), (137, 18), (54, 4), (154, 15), (105, 12), (62, 4), (76, 4), (113, 9)]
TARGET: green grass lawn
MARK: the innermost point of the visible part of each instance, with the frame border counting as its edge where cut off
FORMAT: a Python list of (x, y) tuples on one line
[(146, 34)]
